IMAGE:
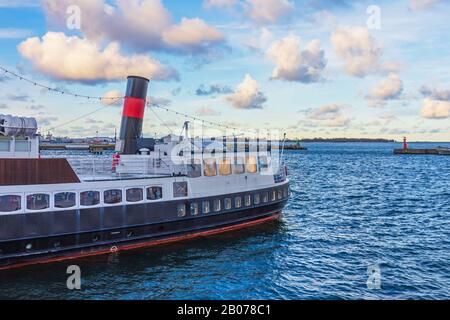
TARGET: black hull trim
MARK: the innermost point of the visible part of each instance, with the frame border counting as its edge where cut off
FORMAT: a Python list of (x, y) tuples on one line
[(111, 241)]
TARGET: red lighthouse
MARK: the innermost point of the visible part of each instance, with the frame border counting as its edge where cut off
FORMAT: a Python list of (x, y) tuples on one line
[(405, 144)]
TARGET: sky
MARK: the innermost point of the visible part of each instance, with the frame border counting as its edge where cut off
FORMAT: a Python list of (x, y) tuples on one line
[(310, 68)]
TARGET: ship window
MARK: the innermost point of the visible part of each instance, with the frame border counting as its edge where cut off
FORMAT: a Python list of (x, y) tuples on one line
[(225, 167), (217, 205), (194, 209), (280, 194), (10, 203), (227, 203), (210, 167), (38, 202), (263, 164), (65, 200), (285, 192), (248, 200), (250, 165), (180, 189), (238, 202), (206, 207), (257, 199), (90, 198), (195, 169), (239, 166), (289, 191), (5, 145), (265, 197), (23, 146), (135, 195), (181, 210), (113, 196), (154, 193), (273, 196)]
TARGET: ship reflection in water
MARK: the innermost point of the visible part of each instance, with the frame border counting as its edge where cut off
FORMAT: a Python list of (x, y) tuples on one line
[(175, 271)]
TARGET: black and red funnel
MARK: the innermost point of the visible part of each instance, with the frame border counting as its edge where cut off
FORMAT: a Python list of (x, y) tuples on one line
[(133, 115)]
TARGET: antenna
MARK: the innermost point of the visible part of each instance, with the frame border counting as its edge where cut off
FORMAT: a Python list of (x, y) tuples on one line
[(186, 129)]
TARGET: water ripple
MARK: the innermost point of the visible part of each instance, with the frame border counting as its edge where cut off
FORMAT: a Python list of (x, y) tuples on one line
[(353, 206)]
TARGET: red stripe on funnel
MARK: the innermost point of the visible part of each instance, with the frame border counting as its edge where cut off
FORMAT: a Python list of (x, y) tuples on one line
[(134, 108)]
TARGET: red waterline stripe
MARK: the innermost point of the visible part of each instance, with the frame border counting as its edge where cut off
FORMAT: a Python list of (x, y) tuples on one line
[(134, 108), (154, 243)]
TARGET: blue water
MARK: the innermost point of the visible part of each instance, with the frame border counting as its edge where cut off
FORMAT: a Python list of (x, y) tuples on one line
[(353, 206)]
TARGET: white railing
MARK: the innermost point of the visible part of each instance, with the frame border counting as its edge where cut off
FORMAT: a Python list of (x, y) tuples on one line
[(102, 168)]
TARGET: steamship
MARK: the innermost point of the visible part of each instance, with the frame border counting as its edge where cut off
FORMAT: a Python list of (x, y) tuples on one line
[(150, 193)]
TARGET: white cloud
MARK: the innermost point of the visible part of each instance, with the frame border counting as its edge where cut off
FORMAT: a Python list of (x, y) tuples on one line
[(194, 34), (72, 58), (330, 115), (436, 104), (326, 112), (112, 98), (247, 95), (160, 101), (422, 4), (219, 3), (435, 109), (293, 64), (436, 94), (207, 112), (141, 24), (259, 11), (269, 11), (360, 51), (388, 89), (261, 42)]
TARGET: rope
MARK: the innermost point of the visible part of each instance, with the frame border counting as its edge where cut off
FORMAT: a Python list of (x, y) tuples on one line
[(76, 119), (214, 124), (37, 84), (63, 92), (162, 121)]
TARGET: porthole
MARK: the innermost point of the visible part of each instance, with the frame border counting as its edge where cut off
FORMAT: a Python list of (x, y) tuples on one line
[(257, 199), (273, 196), (10, 203), (227, 204), (217, 205), (237, 202), (248, 200), (194, 209), (206, 207), (181, 210), (29, 246)]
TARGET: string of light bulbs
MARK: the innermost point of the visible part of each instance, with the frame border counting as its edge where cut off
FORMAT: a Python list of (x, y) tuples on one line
[(205, 123), (56, 90)]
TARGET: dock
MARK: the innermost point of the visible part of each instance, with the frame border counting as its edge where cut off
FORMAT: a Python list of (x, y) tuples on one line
[(295, 147), (441, 151), (407, 150), (416, 151), (92, 148)]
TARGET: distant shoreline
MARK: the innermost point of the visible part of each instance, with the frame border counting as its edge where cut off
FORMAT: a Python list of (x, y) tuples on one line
[(355, 140), (343, 140)]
